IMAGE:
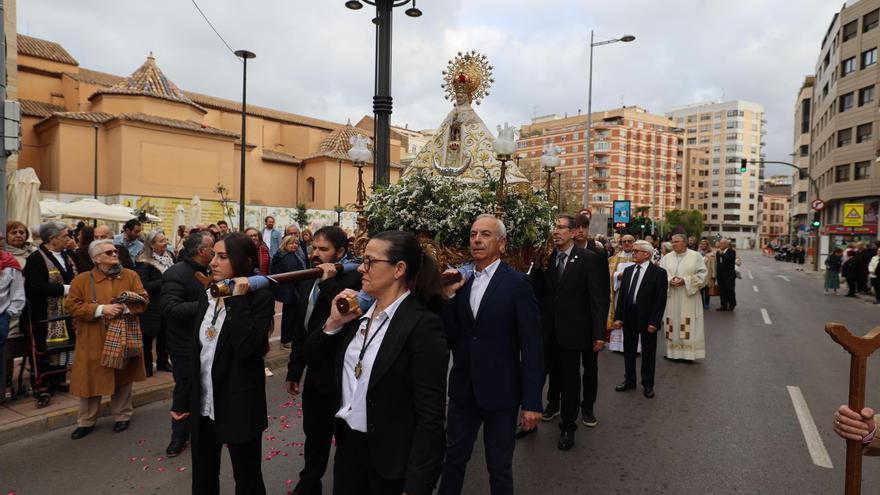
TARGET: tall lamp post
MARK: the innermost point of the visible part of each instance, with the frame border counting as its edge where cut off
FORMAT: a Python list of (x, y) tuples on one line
[(382, 97), (359, 154), (244, 55), (549, 162), (626, 39), (504, 146)]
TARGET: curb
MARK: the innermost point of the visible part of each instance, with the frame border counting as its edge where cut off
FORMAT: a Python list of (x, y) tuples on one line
[(67, 417)]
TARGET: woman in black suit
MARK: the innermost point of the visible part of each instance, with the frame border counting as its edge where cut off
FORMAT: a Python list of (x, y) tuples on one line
[(226, 395), (391, 365), (151, 264)]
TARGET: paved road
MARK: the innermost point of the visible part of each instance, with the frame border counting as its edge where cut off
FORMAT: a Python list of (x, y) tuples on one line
[(725, 425)]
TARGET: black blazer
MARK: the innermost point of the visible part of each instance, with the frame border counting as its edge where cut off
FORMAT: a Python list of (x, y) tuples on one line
[(574, 309), (38, 289), (151, 278), (650, 300), (499, 355), (237, 373), (406, 400), (725, 265), (321, 372), (182, 299)]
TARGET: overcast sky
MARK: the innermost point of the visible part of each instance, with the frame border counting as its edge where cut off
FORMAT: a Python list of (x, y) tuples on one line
[(315, 57)]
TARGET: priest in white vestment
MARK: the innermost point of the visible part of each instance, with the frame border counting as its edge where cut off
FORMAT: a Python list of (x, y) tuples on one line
[(683, 319)]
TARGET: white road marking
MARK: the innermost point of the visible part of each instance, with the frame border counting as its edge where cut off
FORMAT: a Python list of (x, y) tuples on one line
[(766, 316), (750, 275), (811, 434), (755, 287), (783, 277)]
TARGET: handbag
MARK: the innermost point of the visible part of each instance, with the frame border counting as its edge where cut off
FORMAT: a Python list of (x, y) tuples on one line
[(714, 291)]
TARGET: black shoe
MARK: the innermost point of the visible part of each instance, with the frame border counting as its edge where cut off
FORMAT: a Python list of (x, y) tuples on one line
[(588, 419), (550, 412), (731, 308), (649, 392), (722, 308), (120, 426), (175, 447), (520, 433), (623, 387), (164, 367), (566, 440), (81, 431)]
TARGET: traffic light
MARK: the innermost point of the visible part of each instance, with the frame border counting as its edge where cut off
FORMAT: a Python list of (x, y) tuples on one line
[(743, 165), (816, 222)]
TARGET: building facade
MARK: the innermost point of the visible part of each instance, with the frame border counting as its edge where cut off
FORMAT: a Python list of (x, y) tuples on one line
[(775, 221), (732, 131), (801, 216), (140, 139), (637, 156), (695, 189), (843, 141)]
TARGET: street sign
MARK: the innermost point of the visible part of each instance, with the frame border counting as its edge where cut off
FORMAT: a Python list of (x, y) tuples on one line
[(586, 212), (621, 211), (817, 204), (853, 214)]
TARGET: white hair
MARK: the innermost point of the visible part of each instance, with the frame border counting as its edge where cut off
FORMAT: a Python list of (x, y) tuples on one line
[(680, 237), (95, 246), (645, 246), (502, 230)]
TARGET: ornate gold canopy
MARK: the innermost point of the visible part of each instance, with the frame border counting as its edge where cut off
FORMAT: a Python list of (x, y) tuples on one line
[(467, 78)]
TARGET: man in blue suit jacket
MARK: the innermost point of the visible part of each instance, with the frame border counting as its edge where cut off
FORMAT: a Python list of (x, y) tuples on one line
[(271, 237), (493, 328)]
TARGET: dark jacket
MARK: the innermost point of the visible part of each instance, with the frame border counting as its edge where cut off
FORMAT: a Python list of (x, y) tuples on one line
[(650, 300), (37, 289), (497, 356), (321, 372), (282, 262), (574, 309), (151, 278), (725, 265), (405, 396), (833, 262), (237, 372), (181, 295)]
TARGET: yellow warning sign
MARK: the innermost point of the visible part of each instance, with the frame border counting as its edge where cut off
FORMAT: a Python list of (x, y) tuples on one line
[(853, 214)]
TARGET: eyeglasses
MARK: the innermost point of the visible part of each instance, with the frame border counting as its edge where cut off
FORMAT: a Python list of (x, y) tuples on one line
[(111, 252), (626, 241), (367, 262)]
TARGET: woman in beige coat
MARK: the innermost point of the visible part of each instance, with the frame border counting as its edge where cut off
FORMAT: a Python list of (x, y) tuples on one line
[(90, 303)]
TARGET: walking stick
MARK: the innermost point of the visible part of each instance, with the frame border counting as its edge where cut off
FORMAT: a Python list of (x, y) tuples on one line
[(859, 348)]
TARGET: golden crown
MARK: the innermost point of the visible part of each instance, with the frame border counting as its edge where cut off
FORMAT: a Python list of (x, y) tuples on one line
[(467, 77)]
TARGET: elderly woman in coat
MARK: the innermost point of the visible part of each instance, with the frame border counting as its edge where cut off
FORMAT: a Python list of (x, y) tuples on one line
[(104, 303), (151, 265)]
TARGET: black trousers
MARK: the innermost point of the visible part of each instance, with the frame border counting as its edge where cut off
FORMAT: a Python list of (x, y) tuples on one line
[(246, 460), (318, 421), (180, 371), (570, 387), (649, 354), (353, 471), (289, 314), (876, 282), (852, 285), (551, 368), (499, 439), (727, 293), (590, 361)]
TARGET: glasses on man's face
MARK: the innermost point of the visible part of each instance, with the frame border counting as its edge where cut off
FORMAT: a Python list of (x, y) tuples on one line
[(111, 252), (368, 262), (626, 241)]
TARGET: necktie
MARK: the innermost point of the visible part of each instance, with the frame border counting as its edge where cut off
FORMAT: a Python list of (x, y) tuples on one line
[(633, 283), (560, 264), (313, 299)]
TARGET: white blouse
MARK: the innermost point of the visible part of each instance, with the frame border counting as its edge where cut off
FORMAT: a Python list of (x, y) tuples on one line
[(206, 355)]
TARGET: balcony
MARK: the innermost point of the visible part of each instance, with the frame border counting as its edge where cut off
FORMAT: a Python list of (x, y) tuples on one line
[(602, 175), (602, 147)]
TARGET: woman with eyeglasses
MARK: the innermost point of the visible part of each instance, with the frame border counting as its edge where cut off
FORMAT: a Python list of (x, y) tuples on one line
[(151, 264), (225, 399), (391, 366)]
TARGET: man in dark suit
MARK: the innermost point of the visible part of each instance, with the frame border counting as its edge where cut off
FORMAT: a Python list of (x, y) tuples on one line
[(330, 245), (640, 306), (725, 263), (582, 236), (493, 329), (573, 293)]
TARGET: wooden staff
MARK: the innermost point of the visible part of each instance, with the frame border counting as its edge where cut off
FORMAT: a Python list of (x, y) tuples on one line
[(859, 348), (224, 287), (348, 304)]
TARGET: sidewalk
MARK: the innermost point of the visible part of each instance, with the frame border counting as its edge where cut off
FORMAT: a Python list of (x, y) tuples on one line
[(20, 418)]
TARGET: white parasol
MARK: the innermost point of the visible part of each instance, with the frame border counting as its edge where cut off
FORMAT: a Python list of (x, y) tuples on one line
[(92, 208), (150, 217), (23, 196)]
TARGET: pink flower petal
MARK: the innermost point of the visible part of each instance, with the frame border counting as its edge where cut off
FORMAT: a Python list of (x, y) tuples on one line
[(181, 469)]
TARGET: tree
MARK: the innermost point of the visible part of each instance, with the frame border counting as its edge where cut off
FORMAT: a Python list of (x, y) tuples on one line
[(302, 216), (688, 222), (224, 200)]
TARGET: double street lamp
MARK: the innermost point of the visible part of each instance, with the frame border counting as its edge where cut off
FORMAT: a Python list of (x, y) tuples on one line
[(626, 39), (382, 97), (244, 55)]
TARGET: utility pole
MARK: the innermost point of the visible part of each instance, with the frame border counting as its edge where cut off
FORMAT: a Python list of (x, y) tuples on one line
[(3, 198)]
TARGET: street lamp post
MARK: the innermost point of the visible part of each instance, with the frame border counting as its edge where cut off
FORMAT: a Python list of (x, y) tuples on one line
[(382, 98), (244, 55), (359, 153), (549, 162), (626, 39)]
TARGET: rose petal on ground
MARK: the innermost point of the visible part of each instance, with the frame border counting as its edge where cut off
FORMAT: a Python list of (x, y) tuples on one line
[(181, 469)]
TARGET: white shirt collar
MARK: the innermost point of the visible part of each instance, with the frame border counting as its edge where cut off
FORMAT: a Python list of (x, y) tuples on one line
[(567, 251), (488, 271), (389, 311)]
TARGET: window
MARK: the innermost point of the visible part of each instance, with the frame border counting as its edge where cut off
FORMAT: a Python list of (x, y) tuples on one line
[(869, 57), (841, 173), (863, 133), (863, 170), (866, 95), (850, 30), (310, 187), (805, 116), (844, 137), (805, 149), (847, 67), (870, 20), (846, 102)]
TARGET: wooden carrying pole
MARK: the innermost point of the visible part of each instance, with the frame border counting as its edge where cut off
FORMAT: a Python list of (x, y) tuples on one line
[(859, 348)]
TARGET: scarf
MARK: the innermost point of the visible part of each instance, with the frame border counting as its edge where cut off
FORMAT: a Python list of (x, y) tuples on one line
[(8, 261), (123, 339), (56, 331), (162, 262)]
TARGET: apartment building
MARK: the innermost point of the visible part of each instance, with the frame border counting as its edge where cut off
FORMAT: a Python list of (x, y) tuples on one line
[(801, 194), (636, 156), (731, 131), (775, 221)]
